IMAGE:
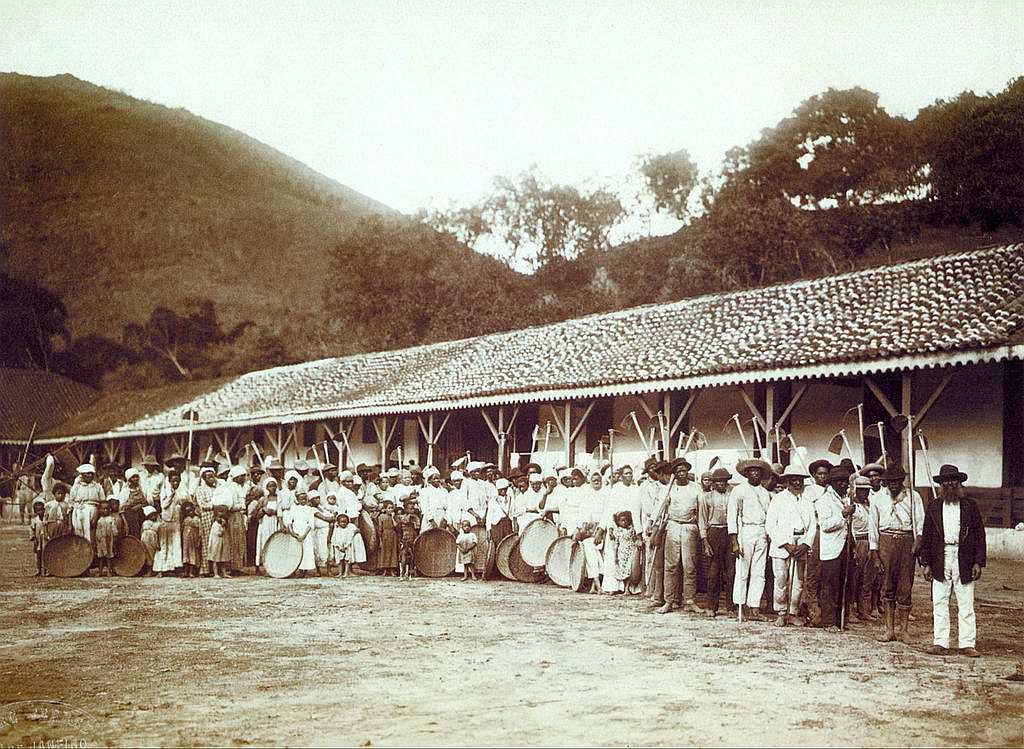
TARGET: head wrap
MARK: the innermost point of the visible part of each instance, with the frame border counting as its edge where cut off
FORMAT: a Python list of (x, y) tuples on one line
[(345, 476), (86, 468), (501, 484), (237, 471), (130, 473), (457, 476)]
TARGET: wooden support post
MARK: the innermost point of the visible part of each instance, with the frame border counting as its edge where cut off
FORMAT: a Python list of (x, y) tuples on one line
[(906, 395), (569, 453), (769, 418)]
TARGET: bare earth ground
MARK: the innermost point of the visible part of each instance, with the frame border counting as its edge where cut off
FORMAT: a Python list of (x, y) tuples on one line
[(377, 661)]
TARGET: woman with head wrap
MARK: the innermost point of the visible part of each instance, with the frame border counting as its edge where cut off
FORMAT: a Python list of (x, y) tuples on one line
[(204, 499), (266, 516), (168, 556)]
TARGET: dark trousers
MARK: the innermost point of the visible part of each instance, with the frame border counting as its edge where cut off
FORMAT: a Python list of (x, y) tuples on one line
[(830, 574), (721, 565), (812, 580), (863, 578), (898, 560)]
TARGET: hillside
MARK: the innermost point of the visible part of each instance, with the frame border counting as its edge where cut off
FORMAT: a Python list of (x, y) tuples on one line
[(119, 205)]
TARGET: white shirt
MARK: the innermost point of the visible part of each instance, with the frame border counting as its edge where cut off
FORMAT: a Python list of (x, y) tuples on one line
[(788, 521), (829, 507), (951, 522), (748, 505)]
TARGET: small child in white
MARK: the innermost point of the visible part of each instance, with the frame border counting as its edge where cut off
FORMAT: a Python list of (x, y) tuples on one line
[(466, 541), (341, 543), (37, 534)]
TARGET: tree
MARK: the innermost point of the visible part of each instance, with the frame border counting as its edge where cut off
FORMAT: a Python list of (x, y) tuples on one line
[(400, 284), (184, 345), (670, 178), (32, 320), (974, 149), (535, 220)]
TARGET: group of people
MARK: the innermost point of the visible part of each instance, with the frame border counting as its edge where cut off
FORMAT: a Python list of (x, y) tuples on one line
[(809, 547)]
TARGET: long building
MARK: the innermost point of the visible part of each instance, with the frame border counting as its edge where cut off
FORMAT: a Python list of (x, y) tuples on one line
[(939, 340)]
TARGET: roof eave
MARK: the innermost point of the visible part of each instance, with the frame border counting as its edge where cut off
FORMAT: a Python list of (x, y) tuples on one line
[(806, 372)]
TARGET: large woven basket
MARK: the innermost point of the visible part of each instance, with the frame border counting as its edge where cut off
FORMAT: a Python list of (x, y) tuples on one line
[(67, 556), (577, 577), (502, 554), (435, 552), (130, 557), (521, 571), (557, 562), (535, 540), (282, 554)]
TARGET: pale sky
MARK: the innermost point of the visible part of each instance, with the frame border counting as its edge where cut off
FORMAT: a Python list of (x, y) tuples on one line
[(419, 103)]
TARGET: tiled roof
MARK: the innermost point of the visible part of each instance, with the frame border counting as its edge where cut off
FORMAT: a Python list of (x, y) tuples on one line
[(913, 314), (30, 396)]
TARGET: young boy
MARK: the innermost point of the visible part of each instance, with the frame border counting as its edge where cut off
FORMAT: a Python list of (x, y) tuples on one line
[(341, 541), (37, 534), (408, 529), (466, 541)]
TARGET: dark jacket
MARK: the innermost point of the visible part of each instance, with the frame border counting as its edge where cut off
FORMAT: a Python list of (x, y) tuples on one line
[(931, 552)]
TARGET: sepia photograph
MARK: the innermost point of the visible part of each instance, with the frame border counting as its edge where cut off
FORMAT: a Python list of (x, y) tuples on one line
[(450, 373)]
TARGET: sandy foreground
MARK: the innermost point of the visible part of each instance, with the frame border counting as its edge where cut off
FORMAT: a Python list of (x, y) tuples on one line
[(375, 661)]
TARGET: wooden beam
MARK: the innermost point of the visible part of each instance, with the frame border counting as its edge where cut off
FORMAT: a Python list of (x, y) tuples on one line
[(919, 417), (754, 410), (793, 401), (444, 423), (651, 414), (583, 421), (769, 418), (691, 398), (877, 391), (558, 422), (490, 424)]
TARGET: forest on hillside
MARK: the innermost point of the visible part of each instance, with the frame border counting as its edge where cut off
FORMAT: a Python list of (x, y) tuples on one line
[(839, 184)]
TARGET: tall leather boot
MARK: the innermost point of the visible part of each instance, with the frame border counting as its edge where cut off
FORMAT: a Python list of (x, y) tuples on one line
[(888, 618), (903, 624)]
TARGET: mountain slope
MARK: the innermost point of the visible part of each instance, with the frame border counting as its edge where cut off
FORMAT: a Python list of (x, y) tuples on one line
[(118, 205)]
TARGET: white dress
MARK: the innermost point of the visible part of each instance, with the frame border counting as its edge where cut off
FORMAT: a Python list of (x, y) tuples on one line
[(301, 520), (269, 525)]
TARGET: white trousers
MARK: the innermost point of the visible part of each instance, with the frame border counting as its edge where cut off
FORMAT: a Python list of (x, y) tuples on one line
[(749, 582), (81, 520), (967, 628), (782, 594)]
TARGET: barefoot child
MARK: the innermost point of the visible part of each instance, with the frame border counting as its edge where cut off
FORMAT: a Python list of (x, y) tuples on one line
[(466, 541), (150, 536), (409, 522), (324, 514), (217, 552), (37, 534), (387, 539), (341, 541), (300, 523), (626, 550), (191, 540), (106, 539)]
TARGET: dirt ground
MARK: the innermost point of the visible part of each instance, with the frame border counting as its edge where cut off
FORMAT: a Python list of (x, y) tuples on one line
[(374, 661)]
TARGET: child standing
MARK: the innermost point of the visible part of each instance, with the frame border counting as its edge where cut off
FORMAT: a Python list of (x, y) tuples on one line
[(191, 540), (323, 519), (466, 541), (217, 552), (300, 523), (409, 522), (106, 538), (37, 534), (387, 542), (626, 550), (341, 542), (150, 535)]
